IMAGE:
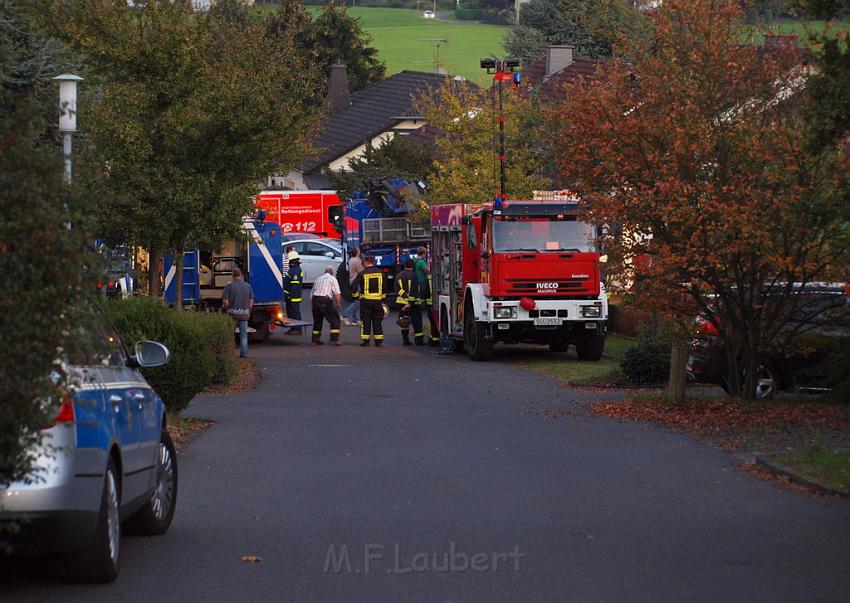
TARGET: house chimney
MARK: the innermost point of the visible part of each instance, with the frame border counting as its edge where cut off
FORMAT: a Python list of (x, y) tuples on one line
[(338, 96), (557, 57)]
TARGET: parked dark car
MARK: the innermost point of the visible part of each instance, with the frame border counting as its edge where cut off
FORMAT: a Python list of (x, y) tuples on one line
[(810, 361)]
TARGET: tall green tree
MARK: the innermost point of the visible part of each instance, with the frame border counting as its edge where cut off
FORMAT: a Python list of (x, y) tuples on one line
[(189, 115), (829, 87), (42, 260), (337, 36), (591, 26)]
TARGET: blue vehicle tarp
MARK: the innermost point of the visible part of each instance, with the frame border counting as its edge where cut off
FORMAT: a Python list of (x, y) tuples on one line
[(261, 265)]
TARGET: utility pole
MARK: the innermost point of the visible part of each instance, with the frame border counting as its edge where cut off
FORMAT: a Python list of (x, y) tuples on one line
[(504, 70)]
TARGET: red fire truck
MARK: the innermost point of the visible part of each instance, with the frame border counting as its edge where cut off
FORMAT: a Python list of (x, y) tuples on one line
[(300, 211), (518, 272)]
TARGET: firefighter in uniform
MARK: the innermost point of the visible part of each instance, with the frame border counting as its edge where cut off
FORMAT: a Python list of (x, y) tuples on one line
[(370, 291), (292, 290), (407, 289), (423, 273)]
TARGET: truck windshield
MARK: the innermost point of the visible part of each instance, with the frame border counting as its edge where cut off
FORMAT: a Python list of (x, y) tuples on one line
[(542, 234)]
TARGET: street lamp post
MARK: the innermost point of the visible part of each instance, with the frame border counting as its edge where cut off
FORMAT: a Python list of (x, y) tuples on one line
[(67, 115), (504, 70)]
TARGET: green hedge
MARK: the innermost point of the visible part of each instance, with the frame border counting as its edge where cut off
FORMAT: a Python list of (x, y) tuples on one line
[(468, 13), (649, 360), (201, 345)]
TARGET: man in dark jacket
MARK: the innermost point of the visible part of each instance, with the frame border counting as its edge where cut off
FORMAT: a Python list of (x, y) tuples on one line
[(237, 300), (292, 289), (370, 292), (407, 297)]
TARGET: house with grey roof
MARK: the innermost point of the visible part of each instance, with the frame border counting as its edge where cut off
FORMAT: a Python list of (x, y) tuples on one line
[(377, 113)]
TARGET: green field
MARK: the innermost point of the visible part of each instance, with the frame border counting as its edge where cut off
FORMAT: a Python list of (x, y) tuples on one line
[(801, 29), (405, 40)]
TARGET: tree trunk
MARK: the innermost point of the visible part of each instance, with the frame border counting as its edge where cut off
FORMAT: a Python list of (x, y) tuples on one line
[(678, 373), (178, 279), (154, 272)]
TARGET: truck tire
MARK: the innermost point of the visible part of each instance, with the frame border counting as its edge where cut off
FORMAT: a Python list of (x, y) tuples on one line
[(590, 346), (559, 346), (260, 334), (476, 345)]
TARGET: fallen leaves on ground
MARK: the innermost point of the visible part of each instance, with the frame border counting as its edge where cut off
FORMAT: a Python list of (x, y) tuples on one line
[(723, 414), (251, 559), (767, 475), (181, 428), (247, 377)]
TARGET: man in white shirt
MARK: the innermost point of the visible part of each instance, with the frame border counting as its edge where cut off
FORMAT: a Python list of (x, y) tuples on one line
[(326, 301)]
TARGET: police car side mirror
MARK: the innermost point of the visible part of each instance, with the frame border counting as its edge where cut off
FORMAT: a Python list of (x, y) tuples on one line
[(150, 354)]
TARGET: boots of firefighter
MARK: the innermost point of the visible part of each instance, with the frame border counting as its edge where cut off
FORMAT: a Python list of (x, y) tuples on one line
[(419, 339), (405, 337), (379, 342)]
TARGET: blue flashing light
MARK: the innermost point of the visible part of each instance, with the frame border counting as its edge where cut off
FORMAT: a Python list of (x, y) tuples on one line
[(517, 77), (497, 203)]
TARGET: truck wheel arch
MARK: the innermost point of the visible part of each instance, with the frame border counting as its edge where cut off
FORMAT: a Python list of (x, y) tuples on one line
[(475, 296)]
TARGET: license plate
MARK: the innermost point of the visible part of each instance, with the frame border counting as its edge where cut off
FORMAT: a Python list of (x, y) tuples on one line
[(547, 322)]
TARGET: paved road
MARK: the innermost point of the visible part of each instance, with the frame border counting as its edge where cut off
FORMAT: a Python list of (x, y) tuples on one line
[(385, 450)]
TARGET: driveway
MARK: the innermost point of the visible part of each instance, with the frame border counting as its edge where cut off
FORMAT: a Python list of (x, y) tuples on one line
[(395, 474)]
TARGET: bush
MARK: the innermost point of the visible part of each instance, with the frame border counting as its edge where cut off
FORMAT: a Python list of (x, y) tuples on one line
[(201, 346), (649, 360), (494, 16), (468, 12)]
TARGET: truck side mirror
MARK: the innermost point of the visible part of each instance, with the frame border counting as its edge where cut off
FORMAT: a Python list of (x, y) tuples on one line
[(335, 217)]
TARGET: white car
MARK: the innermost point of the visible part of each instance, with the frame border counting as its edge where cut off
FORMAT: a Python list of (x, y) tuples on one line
[(316, 255), (429, 14)]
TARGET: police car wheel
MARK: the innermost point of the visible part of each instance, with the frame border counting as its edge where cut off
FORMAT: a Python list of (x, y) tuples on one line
[(99, 561), (155, 517)]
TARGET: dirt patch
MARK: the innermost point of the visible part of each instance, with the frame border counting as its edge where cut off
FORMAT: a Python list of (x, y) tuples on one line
[(768, 426), (248, 376), (740, 426), (767, 474), (184, 429)]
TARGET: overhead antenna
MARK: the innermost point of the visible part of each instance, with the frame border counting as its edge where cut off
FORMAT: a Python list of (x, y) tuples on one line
[(436, 42)]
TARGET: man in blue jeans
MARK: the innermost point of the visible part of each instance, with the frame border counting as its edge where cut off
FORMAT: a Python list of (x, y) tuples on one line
[(351, 314), (238, 299)]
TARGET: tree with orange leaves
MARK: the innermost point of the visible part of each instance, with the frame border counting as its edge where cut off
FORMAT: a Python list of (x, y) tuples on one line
[(693, 147)]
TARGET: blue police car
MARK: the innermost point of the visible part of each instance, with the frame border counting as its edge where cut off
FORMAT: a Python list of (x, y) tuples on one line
[(107, 461)]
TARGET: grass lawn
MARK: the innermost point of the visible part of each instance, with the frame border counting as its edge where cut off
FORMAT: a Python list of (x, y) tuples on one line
[(801, 29), (832, 469), (404, 40), (566, 367)]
